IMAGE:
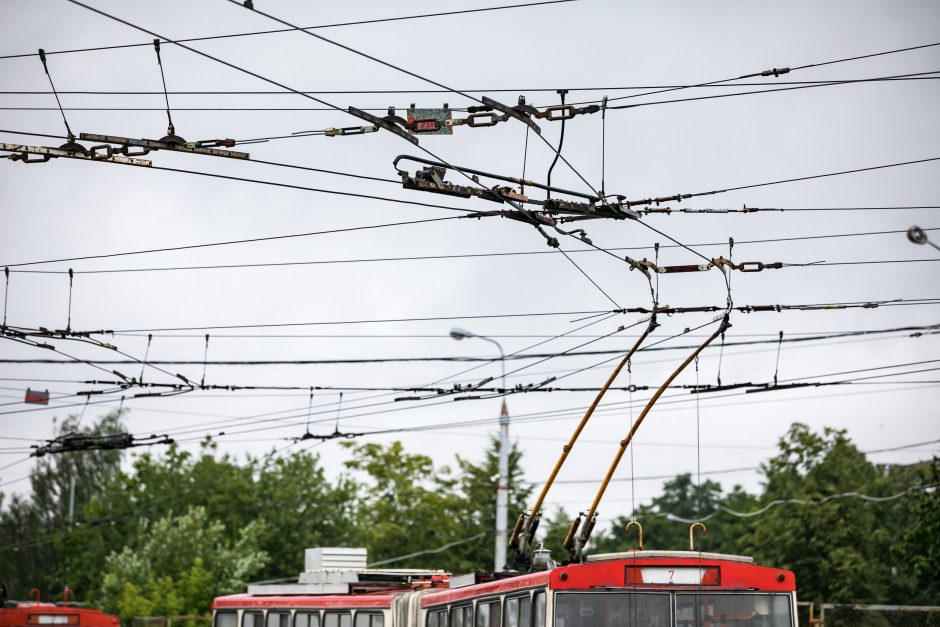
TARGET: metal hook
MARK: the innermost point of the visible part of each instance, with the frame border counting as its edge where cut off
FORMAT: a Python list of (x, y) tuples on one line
[(639, 529), (692, 534)]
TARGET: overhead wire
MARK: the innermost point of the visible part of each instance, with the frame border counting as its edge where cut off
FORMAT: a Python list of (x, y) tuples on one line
[(272, 92), (288, 30), (798, 501), (283, 86), (413, 75), (857, 81), (402, 258), (775, 72)]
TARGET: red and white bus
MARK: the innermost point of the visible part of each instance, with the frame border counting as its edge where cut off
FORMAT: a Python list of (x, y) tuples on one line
[(38, 614), (632, 589)]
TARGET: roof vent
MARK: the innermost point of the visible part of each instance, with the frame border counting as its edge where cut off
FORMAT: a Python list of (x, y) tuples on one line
[(331, 557)]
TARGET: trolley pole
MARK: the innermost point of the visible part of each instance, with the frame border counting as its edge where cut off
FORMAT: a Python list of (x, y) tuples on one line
[(502, 485)]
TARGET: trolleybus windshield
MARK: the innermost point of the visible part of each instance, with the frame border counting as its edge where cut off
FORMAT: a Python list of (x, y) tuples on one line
[(613, 609), (641, 609)]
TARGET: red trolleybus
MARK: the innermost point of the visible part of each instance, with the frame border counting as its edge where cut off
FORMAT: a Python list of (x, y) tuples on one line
[(632, 589), (38, 614)]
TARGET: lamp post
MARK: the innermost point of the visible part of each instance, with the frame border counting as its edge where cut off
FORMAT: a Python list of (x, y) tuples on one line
[(502, 486)]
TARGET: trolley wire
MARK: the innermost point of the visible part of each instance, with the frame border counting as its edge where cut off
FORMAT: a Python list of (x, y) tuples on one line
[(251, 240), (288, 30), (916, 76), (775, 72), (398, 68), (401, 258), (379, 92), (877, 79)]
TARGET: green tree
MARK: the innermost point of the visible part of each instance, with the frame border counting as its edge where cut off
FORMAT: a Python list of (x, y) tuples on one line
[(666, 519), (302, 509), (552, 532), (917, 547), (405, 505), (37, 533), (827, 545), (477, 483), (178, 564)]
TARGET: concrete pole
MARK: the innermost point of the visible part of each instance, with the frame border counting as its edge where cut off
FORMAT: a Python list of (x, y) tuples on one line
[(502, 485), (502, 489)]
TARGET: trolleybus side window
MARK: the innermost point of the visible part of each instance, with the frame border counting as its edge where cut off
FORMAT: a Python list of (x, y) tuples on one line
[(252, 618), (369, 619), (305, 619), (337, 619), (226, 619), (538, 599), (518, 612), (460, 616), (437, 618), (614, 609), (488, 614), (278, 619), (744, 610)]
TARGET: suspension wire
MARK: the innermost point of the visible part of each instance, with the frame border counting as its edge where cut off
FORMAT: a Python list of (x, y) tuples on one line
[(754, 92), (632, 448), (588, 277), (285, 88), (6, 293), (271, 92), (698, 447), (309, 408), (409, 73), (339, 407), (721, 354), (561, 143), (603, 146), (120, 405), (656, 253), (170, 130), (776, 72), (205, 356), (730, 252), (68, 324), (42, 57), (251, 240), (777, 366), (82, 415), (318, 26), (525, 157), (143, 364)]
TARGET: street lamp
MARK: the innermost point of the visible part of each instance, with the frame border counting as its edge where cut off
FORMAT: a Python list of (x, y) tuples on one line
[(502, 485)]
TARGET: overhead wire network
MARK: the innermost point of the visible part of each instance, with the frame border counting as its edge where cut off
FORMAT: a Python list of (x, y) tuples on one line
[(27, 267)]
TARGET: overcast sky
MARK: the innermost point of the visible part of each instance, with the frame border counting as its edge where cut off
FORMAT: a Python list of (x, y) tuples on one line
[(70, 208)]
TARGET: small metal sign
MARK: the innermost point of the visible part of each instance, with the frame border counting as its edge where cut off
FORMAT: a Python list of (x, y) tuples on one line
[(430, 121), (37, 397)]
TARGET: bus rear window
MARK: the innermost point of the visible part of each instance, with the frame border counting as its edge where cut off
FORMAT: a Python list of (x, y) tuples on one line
[(741, 610), (612, 609), (52, 619)]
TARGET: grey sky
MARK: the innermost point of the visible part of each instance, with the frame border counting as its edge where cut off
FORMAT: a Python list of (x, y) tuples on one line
[(68, 208)]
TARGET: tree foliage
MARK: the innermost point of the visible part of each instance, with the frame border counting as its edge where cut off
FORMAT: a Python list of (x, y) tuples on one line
[(167, 530), (178, 564)]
